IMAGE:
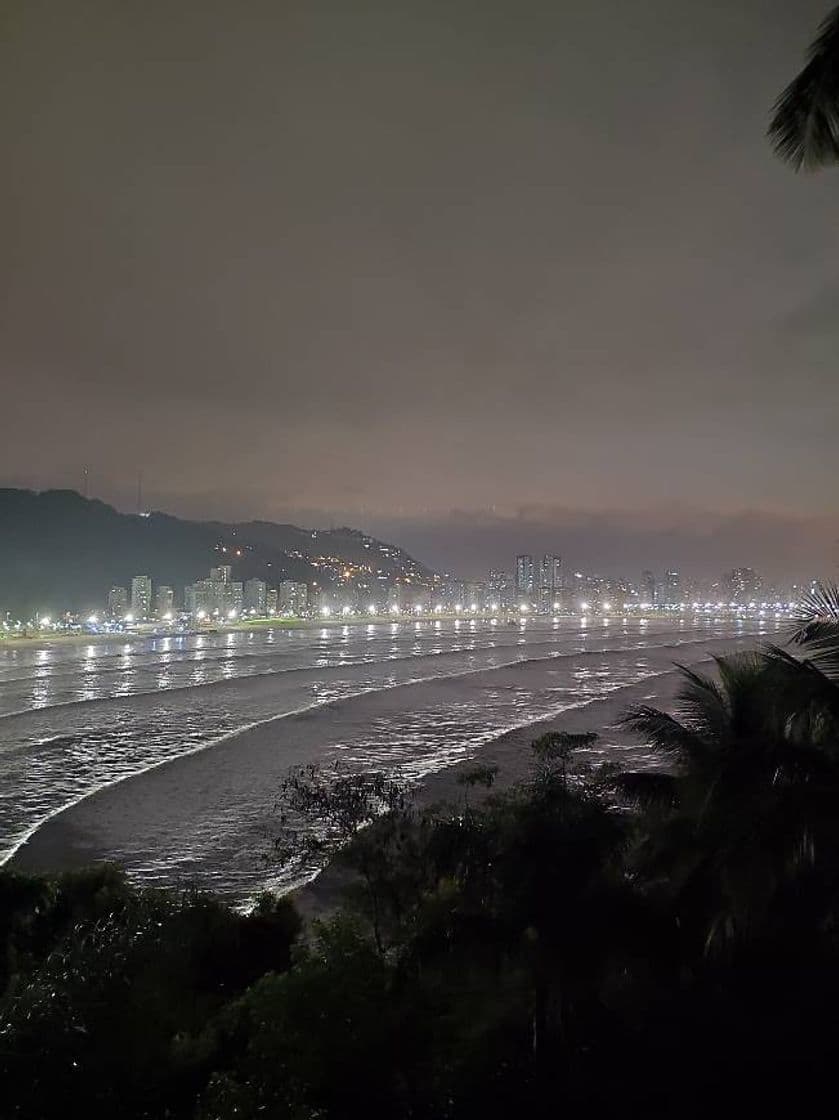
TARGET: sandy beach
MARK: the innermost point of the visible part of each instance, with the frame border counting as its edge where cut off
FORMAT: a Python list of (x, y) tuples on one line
[(138, 816), (169, 757)]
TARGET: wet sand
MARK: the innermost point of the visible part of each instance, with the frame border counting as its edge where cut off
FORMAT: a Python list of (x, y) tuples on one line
[(513, 756), (137, 816)]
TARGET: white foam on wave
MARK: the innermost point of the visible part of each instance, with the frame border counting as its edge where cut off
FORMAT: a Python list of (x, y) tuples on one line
[(643, 643)]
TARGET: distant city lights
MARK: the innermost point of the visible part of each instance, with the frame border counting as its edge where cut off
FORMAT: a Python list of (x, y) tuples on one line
[(541, 588)]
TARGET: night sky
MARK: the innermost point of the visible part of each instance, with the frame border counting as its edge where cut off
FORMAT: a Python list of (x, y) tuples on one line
[(479, 276)]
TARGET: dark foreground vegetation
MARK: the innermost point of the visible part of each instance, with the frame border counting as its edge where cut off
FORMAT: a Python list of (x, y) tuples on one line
[(590, 943)]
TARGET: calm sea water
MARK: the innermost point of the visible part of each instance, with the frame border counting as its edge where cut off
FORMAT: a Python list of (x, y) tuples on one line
[(240, 708)]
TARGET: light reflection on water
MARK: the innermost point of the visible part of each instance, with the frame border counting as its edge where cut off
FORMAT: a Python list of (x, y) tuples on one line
[(416, 696)]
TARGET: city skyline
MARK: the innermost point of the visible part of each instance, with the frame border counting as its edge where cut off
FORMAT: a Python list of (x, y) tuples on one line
[(541, 586)]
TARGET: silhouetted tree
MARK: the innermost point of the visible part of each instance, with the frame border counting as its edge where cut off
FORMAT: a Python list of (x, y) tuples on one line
[(749, 813), (804, 129)]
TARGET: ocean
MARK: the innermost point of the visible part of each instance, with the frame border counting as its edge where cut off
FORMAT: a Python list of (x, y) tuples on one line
[(166, 754)]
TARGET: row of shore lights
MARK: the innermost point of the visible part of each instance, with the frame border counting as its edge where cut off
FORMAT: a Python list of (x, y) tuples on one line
[(584, 607), (45, 623), (459, 608)]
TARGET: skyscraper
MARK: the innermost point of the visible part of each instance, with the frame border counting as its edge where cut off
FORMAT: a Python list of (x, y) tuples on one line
[(671, 591), (453, 594), (293, 597), (141, 597), (223, 591), (649, 594), (117, 602), (550, 581), (500, 587), (164, 601), (475, 597), (742, 585), (524, 576), (255, 597), (199, 598)]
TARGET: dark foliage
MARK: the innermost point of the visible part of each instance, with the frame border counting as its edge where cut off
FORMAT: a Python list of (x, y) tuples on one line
[(105, 987), (804, 129)]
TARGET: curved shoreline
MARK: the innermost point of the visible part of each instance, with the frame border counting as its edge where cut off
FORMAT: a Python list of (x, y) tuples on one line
[(89, 830)]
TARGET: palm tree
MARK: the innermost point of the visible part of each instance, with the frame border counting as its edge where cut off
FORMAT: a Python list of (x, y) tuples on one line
[(817, 629), (749, 813), (804, 129)]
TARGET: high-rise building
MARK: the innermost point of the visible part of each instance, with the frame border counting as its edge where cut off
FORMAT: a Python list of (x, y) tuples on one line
[(293, 597), (649, 591), (550, 581), (227, 594), (271, 602), (164, 601), (141, 597), (452, 593), (500, 588), (256, 591), (550, 571), (117, 602), (200, 598), (524, 576), (671, 588), (742, 585), (476, 594)]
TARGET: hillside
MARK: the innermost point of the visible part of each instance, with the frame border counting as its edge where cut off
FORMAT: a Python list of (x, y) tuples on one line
[(61, 551)]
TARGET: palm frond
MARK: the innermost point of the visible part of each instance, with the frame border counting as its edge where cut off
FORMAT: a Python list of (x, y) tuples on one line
[(703, 704), (798, 682), (817, 627), (818, 610), (748, 682), (804, 129), (665, 733)]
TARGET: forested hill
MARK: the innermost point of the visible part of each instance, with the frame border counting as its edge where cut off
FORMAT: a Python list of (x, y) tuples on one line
[(59, 550)]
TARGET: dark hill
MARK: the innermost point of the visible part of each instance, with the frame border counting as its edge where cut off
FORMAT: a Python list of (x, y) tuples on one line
[(61, 551)]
